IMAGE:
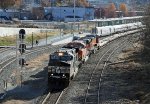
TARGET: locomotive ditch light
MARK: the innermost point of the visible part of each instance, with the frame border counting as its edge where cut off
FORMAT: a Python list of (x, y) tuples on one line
[(22, 34), (22, 48)]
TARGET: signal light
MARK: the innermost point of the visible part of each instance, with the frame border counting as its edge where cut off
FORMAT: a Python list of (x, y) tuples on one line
[(22, 62), (22, 48), (22, 34)]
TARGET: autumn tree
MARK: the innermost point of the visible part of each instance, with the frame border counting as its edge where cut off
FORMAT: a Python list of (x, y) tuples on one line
[(99, 13), (124, 9), (112, 10), (146, 34), (146, 22), (79, 3), (84, 3), (18, 4), (45, 3), (6, 3)]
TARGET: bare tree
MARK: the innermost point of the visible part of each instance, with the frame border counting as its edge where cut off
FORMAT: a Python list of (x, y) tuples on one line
[(146, 21), (146, 35)]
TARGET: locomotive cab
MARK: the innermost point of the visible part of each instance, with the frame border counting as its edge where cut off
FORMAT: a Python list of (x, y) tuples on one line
[(95, 40), (81, 49), (63, 65)]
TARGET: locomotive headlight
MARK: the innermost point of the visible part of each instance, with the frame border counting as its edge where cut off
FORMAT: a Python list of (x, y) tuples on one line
[(60, 54)]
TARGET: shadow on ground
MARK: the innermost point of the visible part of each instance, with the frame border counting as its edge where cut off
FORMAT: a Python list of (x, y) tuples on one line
[(124, 84), (30, 89)]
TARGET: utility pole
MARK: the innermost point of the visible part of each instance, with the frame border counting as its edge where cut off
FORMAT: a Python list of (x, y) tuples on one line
[(74, 17), (32, 39), (22, 48), (46, 37)]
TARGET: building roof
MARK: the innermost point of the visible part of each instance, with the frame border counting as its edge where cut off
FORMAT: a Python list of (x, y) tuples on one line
[(115, 19)]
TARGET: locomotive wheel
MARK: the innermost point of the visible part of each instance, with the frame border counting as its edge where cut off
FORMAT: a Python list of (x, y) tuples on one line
[(83, 61), (67, 82), (72, 76), (80, 65), (94, 51), (98, 48)]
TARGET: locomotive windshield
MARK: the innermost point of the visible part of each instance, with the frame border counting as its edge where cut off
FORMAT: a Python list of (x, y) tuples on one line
[(74, 45), (60, 57)]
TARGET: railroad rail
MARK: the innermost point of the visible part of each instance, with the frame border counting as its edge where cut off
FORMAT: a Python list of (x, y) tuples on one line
[(3, 50), (48, 98), (106, 56), (10, 60), (53, 97)]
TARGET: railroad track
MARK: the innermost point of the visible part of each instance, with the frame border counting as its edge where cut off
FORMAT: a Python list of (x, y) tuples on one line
[(12, 59), (3, 50), (100, 67), (53, 98), (87, 84), (8, 54)]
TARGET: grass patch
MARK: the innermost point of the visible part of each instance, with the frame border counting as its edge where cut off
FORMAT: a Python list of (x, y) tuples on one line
[(11, 40), (7, 40), (40, 36)]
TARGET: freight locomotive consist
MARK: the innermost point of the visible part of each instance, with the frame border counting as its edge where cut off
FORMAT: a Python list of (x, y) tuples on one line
[(64, 63)]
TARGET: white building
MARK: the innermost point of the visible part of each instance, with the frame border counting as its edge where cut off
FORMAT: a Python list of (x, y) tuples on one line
[(61, 13)]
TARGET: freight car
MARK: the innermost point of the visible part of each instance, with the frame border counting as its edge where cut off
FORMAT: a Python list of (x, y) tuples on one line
[(109, 30)]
